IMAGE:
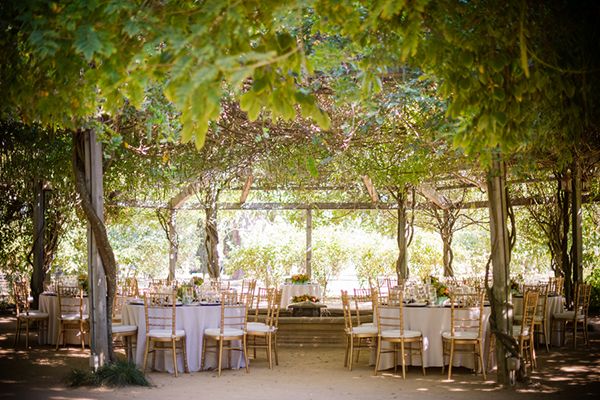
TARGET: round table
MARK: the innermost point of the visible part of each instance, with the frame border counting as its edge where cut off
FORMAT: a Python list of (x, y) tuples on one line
[(432, 321), (193, 319)]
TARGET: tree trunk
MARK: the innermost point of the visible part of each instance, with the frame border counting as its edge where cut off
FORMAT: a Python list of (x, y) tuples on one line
[(173, 242), (401, 263), (564, 244), (577, 238), (103, 266), (39, 272), (212, 235), (499, 320), (446, 233)]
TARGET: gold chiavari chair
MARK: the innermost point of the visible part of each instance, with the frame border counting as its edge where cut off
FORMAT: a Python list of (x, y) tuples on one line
[(231, 330), (247, 291), (539, 319), (261, 302), (390, 325), (556, 285), (525, 331), (266, 333), (72, 316), (363, 302), (579, 314), (129, 287), (357, 337), (466, 329), (161, 328), (123, 334), (25, 315)]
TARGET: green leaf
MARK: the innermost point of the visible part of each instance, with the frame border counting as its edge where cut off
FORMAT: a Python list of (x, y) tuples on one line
[(311, 166), (87, 41)]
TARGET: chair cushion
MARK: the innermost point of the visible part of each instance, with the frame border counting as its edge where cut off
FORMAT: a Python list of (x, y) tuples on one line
[(123, 329), (34, 314), (72, 317), (255, 325), (566, 315), (165, 333), (461, 335), (226, 332), (260, 328), (362, 329), (368, 324), (395, 333)]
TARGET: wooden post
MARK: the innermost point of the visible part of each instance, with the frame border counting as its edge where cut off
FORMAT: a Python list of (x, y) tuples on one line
[(576, 223), (308, 269), (38, 275), (173, 243), (500, 262), (97, 295), (401, 263)]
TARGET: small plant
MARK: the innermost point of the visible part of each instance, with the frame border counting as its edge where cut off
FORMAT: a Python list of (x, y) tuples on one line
[(305, 297), (119, 373)]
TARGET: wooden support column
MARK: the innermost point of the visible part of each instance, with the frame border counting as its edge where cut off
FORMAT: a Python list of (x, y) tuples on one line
[(97, 295), (576, 223), (401, 239), (500, 263), (38, 275), (308, 270)]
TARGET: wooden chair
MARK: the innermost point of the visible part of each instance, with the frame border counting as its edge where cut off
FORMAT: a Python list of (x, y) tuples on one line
[(524, 332), (72, 316), (247, 291), (390, 326), (124, 335), (363, 302), (578, 315), (161, 328), (266, 333), (556, 285), (357, 337), (129, 287), (25, 315), (539, 319), (232, 328), (262, 302), (466, 329)]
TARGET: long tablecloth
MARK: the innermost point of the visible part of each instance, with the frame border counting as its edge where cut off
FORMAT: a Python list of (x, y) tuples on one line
[(432, 321), (290, 290), (554, 305), (194, 320), (48, 303)]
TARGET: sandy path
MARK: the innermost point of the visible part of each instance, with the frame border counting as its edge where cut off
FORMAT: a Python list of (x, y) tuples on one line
[(303, 374)]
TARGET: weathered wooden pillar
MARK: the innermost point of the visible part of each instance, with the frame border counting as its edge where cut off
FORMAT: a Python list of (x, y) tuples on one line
[(97, 295), (576, 222), (39, 273), (401, 263), (308, 269), (500, 262)]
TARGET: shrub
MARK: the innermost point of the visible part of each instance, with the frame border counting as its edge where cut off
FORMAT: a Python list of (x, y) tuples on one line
[(594, 280), (119, 373)]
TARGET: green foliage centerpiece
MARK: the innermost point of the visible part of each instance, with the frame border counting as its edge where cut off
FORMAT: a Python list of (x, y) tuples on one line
[(300, 279), (305, 297)]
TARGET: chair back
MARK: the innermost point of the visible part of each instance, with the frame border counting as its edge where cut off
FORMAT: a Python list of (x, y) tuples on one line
[(247, 291), (262, 301), (233, 312), (466, 312), (390, 311), (542, 302), (274, 306), (160, 311), (582, 299), (530, 307), (70, 300), (129, 287), (556, 285), (21, 295), (362, 297), (347, 311)]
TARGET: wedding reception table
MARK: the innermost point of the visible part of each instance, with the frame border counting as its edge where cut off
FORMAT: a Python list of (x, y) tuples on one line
[(48, 303), (432, 321), (290, 290), (194, 319), (554, 305)]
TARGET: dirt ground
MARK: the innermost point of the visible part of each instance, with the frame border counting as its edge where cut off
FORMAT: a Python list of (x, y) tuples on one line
[(302, 374)]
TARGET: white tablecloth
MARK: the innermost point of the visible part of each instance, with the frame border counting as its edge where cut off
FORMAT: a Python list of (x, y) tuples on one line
[(49, 304), (432, 321), (290, 290), (554, 305), (193, 319)]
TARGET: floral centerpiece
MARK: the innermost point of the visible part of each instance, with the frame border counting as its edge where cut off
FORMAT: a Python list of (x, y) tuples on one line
[(305, 297), (441, 290), (82, 282), (299, 279), (197, 281)]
